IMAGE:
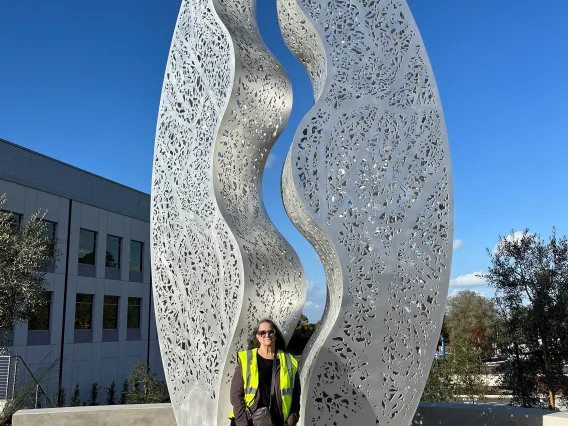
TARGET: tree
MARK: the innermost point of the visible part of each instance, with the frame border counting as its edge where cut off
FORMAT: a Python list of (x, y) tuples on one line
[(94, 399), (61, 398), (472, 316), (124, 392), (144, 387), (76, 397), (520, 374), (111, 394), (300, 337), (25, 253), (530, 276), (470, 326), (467, 367), (458, 374), (440, 385)]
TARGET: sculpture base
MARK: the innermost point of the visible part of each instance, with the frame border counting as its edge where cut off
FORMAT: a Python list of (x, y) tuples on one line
[(102, 415), (428, 414)]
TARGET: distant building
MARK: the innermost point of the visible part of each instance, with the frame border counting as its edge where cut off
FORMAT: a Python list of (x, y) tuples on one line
[(100, 321)]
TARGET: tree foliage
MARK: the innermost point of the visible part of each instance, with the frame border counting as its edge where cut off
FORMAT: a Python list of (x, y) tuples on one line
[(470, 327), (302, 334), (530, 277), (123, 392), (440, 385), (76, 397), (520, 375), (61, 398), (473, 316), (467, 367), (94, 399), (144, 387), (111, 394), (25, 253), (459, 374)]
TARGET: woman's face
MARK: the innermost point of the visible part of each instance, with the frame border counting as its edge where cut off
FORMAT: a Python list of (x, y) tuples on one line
[(266, 335)]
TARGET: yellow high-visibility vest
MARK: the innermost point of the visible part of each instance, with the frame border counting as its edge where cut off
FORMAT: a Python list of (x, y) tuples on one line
[(288, 369)]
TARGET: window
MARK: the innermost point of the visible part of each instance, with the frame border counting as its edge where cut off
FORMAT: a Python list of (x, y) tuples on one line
[(87, 246), (41, 319), (110, 313), (83, 311), (16, 219), (136, 248), (50, 232), (133, 317), (50, 228), (113, 252)]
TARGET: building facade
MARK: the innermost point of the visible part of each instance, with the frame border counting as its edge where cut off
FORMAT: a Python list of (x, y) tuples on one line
[(100, 321)]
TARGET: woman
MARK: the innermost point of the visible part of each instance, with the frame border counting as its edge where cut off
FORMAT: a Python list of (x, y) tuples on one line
[(252, 385)]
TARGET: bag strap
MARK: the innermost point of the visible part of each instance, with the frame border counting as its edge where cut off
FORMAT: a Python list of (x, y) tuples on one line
[(273, 384)]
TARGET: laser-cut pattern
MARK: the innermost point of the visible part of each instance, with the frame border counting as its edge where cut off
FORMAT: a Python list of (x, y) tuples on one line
[(368, 182), (219, 265)]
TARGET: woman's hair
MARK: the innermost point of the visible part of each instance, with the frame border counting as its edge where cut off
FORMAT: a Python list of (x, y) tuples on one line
[(279, 339)]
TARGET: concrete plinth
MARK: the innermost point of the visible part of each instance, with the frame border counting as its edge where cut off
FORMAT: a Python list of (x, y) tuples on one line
[(428, 414), (106, 415), (556, 419)]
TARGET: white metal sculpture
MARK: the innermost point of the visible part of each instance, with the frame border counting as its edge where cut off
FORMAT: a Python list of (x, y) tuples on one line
[(219, 265), (367, 181)]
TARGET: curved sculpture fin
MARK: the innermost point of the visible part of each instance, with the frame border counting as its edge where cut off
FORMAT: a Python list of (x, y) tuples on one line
[(368, 182), (219, 264)]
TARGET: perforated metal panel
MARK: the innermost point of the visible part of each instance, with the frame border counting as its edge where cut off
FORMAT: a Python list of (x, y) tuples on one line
[(368, 182), (219, 264)]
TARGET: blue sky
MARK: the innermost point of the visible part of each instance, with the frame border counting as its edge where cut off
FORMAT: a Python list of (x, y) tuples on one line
[(81, 81)]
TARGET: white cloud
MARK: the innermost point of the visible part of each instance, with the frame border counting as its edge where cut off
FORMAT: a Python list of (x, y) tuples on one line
[(270, 161), (311, 305), (512, 237), (315, 300), (468, 280), (458, 244)]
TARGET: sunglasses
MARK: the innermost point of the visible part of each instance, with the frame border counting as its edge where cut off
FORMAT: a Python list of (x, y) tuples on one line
[(263, 333)]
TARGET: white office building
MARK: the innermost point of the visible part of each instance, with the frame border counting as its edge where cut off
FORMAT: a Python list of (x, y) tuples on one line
[(100, 320)]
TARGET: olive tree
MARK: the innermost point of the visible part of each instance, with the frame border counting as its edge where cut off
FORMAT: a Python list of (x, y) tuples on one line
[(530, 276), (25, 253)]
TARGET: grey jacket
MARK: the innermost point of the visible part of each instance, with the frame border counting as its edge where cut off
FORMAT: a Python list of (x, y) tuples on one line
[(242, 417)]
